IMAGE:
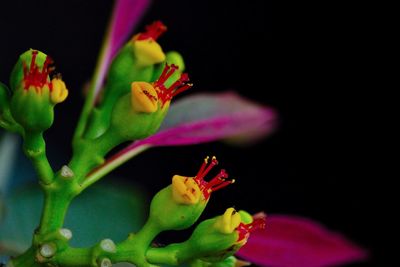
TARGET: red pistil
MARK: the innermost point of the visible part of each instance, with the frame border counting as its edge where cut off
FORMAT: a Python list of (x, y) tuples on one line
[(244, 230), (216, 183), (36, 77), (165, 94), (153, 31)]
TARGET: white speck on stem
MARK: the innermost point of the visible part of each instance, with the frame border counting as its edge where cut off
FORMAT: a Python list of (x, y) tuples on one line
[(66, 172), (108, 245), (47, 250), (106, 262), (66, 233)]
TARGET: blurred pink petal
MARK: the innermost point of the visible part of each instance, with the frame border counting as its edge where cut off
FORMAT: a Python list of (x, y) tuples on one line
[(208, 117), (126, 15), (289, 241), (202, 118)]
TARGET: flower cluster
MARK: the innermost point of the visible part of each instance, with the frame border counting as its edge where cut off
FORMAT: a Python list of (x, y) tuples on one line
[(136, 93)]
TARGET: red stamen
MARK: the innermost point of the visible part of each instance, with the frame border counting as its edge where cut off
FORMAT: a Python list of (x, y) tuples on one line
[(34, 77), (216, 183), (166, 94), (153, 31), (213, 163), (203, 166), (244, 230)]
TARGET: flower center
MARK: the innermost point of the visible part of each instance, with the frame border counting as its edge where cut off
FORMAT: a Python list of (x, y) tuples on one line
[(153, 31), (35, 77), (166, 94), (244, 230), (216, 183)]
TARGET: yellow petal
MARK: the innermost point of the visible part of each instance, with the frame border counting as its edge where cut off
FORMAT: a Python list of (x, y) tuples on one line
[(185, 190), (148, 52), (59, 92), (144, 97), (228, 222)]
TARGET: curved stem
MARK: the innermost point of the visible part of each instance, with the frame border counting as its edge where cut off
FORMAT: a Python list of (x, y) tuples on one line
[(112, 164)]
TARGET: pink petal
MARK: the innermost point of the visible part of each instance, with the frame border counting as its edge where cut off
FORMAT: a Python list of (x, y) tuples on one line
[(209, 117), (289, 241), (202, 118), (126, 15)]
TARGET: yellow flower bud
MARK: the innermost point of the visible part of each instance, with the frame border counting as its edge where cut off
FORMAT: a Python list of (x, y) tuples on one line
[(143, 97), (59, 91), (148, 52), (228, 222), (185, 190)]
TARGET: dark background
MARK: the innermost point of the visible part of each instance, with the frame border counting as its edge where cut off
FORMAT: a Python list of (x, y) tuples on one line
[(299, 59)]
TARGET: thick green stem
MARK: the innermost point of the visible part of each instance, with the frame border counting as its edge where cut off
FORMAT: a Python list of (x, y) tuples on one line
[(90, 154), (55, 208), (166, 255), (26, 260)]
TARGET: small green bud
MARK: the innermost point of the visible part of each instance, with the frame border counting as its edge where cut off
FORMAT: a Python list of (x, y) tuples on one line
[(140, 113), (34, 94), (167, 214), (179, 205), (216, 239), (137, 115), (172, 58), (134, 62)]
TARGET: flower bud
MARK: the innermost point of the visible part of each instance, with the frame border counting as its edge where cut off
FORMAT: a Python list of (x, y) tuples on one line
[(136, 61), (34, 94), (140, 113), (179, 205), (215, 239)]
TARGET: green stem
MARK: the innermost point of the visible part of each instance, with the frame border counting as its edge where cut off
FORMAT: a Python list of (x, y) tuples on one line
[(90, 154), (26, 260), (112, 164), (55, 208), (134, 250), (101, 66), (35, 150), (166, 255)]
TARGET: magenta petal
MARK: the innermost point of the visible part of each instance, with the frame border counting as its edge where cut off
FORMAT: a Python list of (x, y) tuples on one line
[(289, 241), (126, 15), (202, 118), (210, 117)]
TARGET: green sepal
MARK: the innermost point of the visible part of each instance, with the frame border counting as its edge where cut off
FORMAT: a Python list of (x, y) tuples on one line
[(172, 57), (131, 125), (169, 215), (31, 109)]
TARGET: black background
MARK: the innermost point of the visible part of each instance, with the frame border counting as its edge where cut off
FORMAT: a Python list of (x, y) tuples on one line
[(301, 60)]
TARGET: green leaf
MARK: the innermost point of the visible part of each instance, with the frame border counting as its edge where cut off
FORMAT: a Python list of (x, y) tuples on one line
[(103, 211)]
